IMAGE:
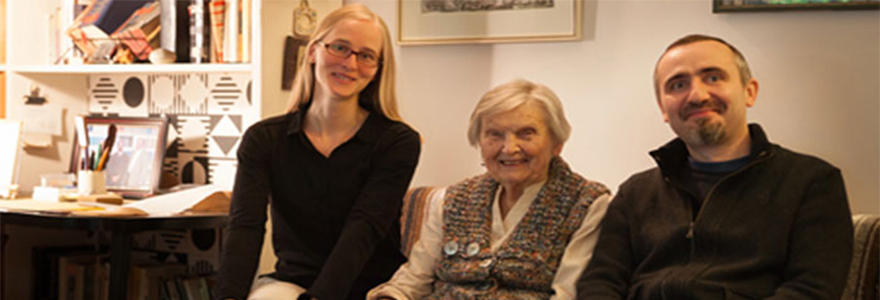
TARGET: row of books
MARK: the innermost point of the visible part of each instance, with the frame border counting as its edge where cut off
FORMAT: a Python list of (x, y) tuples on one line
[(82, 273), (230, 29), (165, 282), (216, 31)]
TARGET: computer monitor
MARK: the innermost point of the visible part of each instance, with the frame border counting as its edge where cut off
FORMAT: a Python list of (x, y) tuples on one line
[(134, 165)]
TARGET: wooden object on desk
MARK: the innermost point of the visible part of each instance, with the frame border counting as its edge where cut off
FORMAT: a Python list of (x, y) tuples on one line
[(118, 212), (101, 198), (218, 202)]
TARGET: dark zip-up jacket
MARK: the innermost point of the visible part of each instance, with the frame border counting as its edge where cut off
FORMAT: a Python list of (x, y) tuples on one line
[(777, 228)]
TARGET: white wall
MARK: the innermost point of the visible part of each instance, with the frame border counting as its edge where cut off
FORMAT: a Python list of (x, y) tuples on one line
[(819, 73), (277, 24)]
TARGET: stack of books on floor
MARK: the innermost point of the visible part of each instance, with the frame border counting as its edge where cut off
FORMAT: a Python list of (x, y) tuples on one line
[(82, 273)]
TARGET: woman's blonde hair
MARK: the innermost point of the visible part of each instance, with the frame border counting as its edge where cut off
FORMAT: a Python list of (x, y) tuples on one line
[(379, 95)]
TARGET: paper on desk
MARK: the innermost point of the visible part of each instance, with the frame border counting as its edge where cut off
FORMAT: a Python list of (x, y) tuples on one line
[(42, 206), (176, 202)]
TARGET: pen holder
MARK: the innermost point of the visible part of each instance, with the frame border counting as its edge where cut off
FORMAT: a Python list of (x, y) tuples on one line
[(91, 182)]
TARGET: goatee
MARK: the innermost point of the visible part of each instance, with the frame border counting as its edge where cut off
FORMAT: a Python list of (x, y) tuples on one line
[(707, 133), (711, 133)]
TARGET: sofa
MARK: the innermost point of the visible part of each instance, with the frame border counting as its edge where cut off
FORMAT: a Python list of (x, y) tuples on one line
[(863, 282)]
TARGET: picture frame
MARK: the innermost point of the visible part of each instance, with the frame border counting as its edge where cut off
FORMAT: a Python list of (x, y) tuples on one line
[(723, 6), (134, 165), (432, 22)]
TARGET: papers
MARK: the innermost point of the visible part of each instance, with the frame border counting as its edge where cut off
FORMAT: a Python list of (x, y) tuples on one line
[(43, 207), (174, 203), (208, 199)]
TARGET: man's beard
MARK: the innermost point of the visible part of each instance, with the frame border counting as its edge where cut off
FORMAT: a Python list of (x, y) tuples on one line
[(707, 133), (710, 133)]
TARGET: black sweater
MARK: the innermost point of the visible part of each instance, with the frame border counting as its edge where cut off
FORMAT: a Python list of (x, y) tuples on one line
[(335, 220), (777, 228)]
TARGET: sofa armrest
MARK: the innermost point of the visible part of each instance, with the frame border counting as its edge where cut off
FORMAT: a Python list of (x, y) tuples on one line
[(863, 282), (412, 215)]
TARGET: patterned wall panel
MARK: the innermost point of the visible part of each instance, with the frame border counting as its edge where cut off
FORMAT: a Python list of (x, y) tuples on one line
[(123, 95), (200, 246), (207, 111)]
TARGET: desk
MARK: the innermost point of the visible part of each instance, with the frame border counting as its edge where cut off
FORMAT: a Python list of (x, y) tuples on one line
[(121, 230)]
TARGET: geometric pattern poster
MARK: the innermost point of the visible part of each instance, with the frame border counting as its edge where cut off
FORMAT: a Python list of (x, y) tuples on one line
[(207, 114)]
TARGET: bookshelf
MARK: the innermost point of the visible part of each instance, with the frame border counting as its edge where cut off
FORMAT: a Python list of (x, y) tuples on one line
[(26, 61), (2, 59), (133, 68), (29, 64)]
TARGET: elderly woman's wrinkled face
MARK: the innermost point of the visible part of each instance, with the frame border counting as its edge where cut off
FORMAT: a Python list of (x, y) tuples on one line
[(517, 145)]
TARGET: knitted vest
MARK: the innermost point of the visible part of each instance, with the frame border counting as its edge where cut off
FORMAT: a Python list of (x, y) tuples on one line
[(524, 266)]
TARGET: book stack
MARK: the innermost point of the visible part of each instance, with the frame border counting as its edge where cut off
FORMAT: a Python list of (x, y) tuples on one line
[(83, 273), (230, 30), (141, 31), (90, 28), (200, 41), (70, 273), (219, 31)]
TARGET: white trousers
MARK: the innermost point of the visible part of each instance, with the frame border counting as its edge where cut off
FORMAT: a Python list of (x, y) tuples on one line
[(268, 288)]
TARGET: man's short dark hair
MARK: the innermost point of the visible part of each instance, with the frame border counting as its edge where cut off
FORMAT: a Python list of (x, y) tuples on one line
[(745, 74)]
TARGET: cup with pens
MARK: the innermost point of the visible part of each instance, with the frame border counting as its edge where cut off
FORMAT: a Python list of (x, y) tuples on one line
[(91, 178)]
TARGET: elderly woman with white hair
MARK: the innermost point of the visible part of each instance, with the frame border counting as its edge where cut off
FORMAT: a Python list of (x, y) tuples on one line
[(523, 230)]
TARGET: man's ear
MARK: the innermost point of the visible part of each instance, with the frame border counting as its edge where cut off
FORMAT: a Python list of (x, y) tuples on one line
[(751, 92), (659, 102), (662, 110)]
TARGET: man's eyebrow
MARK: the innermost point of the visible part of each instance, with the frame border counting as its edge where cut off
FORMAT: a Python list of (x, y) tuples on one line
[(711, 70), (675, 77)]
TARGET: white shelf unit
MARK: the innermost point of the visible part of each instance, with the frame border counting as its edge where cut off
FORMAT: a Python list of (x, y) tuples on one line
[(133, 68), (27, 64)]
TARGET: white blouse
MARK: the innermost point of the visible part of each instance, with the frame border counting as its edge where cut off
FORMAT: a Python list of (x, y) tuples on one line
[(414, 279)]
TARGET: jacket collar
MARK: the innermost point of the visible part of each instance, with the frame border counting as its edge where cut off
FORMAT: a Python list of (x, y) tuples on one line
[(672, 156)]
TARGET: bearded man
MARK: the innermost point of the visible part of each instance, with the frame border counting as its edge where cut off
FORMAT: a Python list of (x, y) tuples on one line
[(726, 214)]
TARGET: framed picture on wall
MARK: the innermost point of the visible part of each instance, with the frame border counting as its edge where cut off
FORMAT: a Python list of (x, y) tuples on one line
[(780, 5), (426, 22)]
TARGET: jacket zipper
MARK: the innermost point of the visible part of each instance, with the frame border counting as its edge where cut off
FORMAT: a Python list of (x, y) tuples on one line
[(762, 156)]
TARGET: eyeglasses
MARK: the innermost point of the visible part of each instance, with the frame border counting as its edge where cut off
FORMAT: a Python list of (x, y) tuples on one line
[(367, 59)]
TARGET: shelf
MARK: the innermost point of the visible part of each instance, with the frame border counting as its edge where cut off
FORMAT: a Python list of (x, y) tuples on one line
[(134, 68)]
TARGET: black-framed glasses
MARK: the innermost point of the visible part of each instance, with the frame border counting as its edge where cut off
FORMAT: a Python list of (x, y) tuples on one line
[(367, 59)]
